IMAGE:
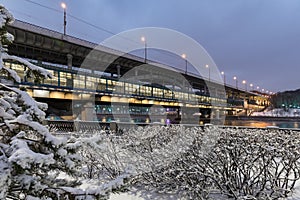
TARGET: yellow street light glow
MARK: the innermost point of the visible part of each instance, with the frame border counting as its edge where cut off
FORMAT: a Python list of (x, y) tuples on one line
[(183, 56)]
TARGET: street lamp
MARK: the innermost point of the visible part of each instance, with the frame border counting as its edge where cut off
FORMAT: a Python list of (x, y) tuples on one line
[(64, 6), (236, 82), (143, 39), (244, 82), (208, 71), (251, 86), (223, 73), (183, 56)]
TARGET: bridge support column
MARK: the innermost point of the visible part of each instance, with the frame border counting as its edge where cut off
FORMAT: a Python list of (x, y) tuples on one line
[(88, 112), (70, 60), (119, 71)]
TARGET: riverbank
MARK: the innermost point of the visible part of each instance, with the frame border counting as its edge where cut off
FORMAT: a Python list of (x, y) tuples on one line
[(264, 118)]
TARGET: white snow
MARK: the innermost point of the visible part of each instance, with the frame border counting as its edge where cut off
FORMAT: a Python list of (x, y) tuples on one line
[(279, 112), (5, 15), (31, 67), (25, 157)]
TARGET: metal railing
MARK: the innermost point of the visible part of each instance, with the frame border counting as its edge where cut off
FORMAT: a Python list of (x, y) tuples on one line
[(62, 126)]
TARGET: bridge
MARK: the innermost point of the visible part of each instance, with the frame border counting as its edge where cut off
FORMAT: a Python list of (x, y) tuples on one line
[(150, 99)]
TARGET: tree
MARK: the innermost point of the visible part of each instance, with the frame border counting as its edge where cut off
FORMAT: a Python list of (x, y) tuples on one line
[(34, 164), (30, 157)]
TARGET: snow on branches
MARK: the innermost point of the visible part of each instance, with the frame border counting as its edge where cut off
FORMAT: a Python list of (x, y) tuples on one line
[(31, 158), (34, 164), (192, 163)]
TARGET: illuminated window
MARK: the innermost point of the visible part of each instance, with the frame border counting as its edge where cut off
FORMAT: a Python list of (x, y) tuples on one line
[(79, 81), (91, 83)]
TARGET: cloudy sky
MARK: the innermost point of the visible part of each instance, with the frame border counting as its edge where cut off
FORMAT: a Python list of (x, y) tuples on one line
[(255, 40)]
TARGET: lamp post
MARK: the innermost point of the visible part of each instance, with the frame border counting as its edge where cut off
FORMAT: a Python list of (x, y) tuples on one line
[(251, 86), (224, 79), (208, 71), (183, 56), (236, 82), (245, 83), (64, 6), (143, 39)]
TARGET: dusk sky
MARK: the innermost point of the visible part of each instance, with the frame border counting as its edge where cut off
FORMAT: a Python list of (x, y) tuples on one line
[(255, 40)]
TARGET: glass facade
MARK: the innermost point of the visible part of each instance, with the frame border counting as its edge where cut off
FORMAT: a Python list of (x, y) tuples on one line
[(72, 79)]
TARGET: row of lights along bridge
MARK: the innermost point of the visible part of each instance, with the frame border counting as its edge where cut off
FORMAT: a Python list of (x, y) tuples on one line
[(184, 56)]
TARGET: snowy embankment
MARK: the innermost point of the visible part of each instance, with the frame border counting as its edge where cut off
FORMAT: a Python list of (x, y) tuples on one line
[(278, 112)]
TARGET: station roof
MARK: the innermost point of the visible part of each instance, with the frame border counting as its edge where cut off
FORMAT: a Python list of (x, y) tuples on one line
[(38, 43)]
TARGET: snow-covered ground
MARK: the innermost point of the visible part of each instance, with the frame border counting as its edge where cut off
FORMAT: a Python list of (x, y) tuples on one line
[(138, 196), (278, 112)]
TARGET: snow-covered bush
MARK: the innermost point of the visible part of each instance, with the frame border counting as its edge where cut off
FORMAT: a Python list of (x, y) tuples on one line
[(244, 164), (193, 163)]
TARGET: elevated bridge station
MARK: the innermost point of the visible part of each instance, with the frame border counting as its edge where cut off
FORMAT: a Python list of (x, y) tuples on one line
[(113, 85)]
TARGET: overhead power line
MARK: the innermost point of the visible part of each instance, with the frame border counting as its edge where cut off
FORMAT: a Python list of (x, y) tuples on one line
[(74, 17), (93, 25)]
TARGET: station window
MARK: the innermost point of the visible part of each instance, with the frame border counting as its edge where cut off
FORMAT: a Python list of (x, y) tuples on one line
[(111, 85), (145, 90), (101, 84), (157, 92), (66, 79), (79, 81), (131, 88), (53, 80), (119, 87), (91, 82)]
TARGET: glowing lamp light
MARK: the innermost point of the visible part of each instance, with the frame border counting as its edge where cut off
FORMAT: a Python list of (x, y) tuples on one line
[(63, 5)]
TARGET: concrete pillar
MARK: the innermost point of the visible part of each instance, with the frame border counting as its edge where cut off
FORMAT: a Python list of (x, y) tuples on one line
[(70, 60), (113, 126), (88, 112), (119, 71), (217, 114)]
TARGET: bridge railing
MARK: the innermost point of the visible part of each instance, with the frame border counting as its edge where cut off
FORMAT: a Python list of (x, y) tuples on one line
[(62, 126)]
